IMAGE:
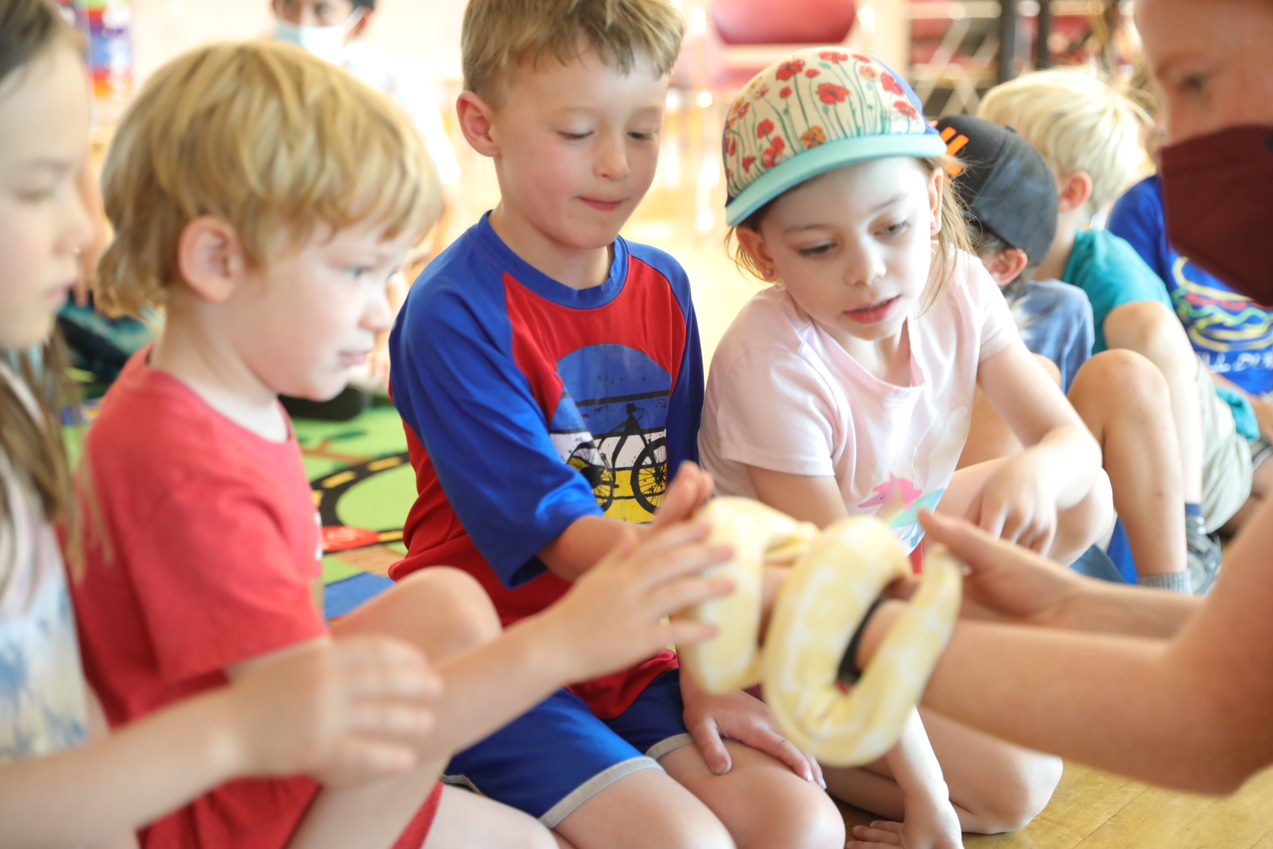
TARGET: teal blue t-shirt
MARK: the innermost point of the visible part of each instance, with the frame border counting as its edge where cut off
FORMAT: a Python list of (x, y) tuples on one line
[(1112, 274)]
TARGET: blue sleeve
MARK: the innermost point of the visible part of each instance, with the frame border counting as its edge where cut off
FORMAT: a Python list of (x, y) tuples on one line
[(1137, 218), (1082, 339), (685, 407), (459, 389)]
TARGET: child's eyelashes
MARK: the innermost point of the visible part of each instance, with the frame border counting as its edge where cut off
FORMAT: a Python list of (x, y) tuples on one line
[(33, 196), (634, 135), (1193, 83), (821, 249)]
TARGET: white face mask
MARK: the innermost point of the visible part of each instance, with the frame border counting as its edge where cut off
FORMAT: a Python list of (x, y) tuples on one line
[(326, 43)]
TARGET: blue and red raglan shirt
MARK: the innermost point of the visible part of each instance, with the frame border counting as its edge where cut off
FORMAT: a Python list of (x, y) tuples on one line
[(528, 404)]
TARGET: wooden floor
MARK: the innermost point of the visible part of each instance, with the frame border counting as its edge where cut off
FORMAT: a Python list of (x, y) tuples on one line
[(684, 215), (1096, 810)]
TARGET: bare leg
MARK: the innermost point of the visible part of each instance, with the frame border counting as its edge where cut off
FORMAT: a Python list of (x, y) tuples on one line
[(994, 786), (466, 820), (444, 612), (645, 810), (1121, 397), (1153, 331), (760, 800)]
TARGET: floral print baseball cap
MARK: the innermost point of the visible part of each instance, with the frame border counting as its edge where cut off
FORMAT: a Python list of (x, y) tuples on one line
[(817, 110)]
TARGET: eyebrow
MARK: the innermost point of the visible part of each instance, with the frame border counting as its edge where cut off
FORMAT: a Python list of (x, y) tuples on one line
[(872, 211)]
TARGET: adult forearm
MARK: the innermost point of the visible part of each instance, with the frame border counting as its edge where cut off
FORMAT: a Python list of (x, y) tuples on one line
[(1130, 611), (1137, 706), (119, 783)]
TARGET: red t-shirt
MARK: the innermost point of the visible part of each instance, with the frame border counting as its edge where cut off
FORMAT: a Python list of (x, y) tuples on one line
[(215, 548)]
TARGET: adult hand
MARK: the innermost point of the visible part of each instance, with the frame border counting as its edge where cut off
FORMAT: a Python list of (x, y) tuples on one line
[(1003, 581)]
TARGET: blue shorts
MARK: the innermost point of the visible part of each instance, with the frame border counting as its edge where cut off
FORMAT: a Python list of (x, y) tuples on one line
[(558, 755)]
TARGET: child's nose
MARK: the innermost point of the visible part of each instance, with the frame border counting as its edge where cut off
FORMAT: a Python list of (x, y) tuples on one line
[(78, 224), (377, 314), (612, 159), (863, 265)]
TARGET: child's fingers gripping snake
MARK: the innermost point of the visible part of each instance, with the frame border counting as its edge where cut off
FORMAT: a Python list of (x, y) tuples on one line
[(838, 574)]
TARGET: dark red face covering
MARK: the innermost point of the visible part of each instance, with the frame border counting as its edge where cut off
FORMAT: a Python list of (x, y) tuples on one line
[(1218, 194)]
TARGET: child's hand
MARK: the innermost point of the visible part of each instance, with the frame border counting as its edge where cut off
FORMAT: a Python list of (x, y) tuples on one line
[(711, 719), (358, 708), (1016, 504), (685, 496), (930, 824), (1003, 581), (616, 613)]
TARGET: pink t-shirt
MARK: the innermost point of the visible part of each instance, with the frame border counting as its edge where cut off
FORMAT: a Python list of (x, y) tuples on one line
[(783, 395)]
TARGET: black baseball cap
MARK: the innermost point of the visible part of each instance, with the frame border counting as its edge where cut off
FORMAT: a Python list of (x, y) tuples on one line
[(1005, 183)]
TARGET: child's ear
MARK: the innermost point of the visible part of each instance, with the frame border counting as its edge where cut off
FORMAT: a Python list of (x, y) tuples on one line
[(477, 120), (754, 244), (1076, 190), (1005, 266), (211, 258), (936, 185)]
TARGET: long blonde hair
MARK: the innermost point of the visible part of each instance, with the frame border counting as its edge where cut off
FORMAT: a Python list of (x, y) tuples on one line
[(31, 439)]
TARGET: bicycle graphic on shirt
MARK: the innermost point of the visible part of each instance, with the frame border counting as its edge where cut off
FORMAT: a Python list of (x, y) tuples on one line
[(647, 480)]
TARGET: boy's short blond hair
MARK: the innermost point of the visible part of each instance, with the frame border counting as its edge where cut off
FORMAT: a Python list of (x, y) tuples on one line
[(267, 138), (501, 34), (1079, 123)]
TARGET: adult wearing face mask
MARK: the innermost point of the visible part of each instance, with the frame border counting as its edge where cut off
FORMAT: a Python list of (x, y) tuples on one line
[(1168, 689), (334, 30)]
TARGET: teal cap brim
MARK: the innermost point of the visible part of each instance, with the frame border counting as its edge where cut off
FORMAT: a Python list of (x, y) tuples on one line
[(827, 157)]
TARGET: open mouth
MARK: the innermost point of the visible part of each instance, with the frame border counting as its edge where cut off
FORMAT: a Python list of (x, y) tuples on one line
[(874, 313)]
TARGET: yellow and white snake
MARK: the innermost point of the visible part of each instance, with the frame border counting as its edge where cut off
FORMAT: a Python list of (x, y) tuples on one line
[(837, 574)]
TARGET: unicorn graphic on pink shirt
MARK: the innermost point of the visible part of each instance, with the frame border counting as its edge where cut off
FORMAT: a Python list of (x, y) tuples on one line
[(898, 502)]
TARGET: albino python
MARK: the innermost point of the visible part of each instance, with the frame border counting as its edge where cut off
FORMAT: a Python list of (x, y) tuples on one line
[(838, 574)]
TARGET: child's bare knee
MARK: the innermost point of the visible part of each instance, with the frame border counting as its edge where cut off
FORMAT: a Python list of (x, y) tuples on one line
[(452, 606), (805, 817), (1086, 523), (1126, 375), (1016, 797)]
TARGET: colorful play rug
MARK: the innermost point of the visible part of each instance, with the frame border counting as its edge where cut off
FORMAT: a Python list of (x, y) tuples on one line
[(363, 486)]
